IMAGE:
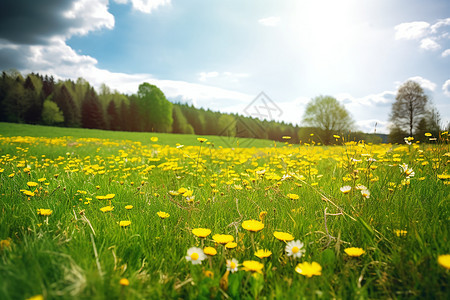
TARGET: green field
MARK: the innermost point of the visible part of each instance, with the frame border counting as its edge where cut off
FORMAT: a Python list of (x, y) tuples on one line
[(82, 217)]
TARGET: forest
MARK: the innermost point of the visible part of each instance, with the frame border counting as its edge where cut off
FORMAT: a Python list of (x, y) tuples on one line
[(41, 99)]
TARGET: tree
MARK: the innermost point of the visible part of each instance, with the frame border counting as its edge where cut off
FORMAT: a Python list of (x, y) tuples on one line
[(409, 107), (327, 114), (92, 112), (51, 114), (156, 109)]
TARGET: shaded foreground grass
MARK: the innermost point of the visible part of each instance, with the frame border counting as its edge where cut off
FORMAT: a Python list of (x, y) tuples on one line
[(77, 249)]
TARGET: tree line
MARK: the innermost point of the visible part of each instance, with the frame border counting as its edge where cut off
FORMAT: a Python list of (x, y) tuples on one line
[(40, 99)]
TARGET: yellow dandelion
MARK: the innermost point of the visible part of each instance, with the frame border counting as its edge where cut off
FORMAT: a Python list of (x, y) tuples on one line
[(32, 183), (283, 236), (223, 238), (252, 266), (252, 225), (124, 223), (162, 214), (201, 232), (44, 212), (128, 206), (293, 196), (202, 140), (309, 269), (107, 208), (444, 260), (354, 252), (262, 253), (124, 282), (210, 251), (154, 139), (230, 245)]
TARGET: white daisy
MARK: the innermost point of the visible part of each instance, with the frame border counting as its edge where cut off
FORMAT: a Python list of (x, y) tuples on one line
[(232, 265), (195, 255), (346, 189), (295, 249)]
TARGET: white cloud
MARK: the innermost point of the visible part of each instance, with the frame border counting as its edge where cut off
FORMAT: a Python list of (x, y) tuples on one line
[(145, 6), (429, 44), (440, 23), (446, 88), (411, 30), (424, 83), (373, 126), (446, 53), (89, 16), (203, 76), (270, 21)]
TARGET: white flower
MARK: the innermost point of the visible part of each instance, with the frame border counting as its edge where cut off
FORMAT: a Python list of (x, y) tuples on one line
[(346, 189), (232, 265), (195, 255), (409, 172), (365, 193), (295, 249), (360, 187)]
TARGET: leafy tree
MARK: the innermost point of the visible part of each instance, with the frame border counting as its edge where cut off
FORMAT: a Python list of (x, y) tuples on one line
[(113, 118), (396, 135), (409, 107), (227, 125), (180, 124), (51, 114), (156, 108), (327, 114)]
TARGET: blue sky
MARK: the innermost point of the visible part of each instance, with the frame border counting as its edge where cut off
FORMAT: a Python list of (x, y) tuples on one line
[(222, 54)]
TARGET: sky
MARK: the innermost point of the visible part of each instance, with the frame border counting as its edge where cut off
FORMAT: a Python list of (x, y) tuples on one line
[(222, 54)]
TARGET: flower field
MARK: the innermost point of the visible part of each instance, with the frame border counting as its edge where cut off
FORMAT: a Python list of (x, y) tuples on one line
[(100, 218)]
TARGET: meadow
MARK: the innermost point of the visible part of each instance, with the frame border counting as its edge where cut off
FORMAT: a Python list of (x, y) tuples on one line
[(90, 214)]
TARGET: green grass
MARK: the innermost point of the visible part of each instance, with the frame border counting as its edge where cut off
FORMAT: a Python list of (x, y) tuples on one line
[(80, 252), (13, 129)]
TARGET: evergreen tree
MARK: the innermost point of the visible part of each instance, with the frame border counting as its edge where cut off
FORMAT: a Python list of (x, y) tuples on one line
[(92, 113)]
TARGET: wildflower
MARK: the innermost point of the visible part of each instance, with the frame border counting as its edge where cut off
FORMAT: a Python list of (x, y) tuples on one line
[(124, 223), (283, 236), (354, 252), (202, 140), (262, 253), (285, 137), (44, 211), (32, 183), (42, 179), (252, 225), (252, 266), (154, 139), (409, 172), (293, 196), (444, 260), (360, 187), (262, 215), (128, 206), (294, 248), (346, 189), (209, 274), (399, 232), (428, 134), (11, 175), (230, 245), (124, 282), (36, 297), (309, 269), (5, 244), (107, 208), (365, 193), (162, 215), (210, 251), (195, 255), (27, 193), (232, 265), (223, 238), (201, 232)]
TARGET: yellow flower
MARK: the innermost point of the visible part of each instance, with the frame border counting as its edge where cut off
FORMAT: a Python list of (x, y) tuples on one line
[(27, 193), (252, 266), (210, 251), (44, 211), (262, 253), (230, 245), (262, 215), (37, 297), (283, 236), (293, 196), (11, 175), (201, 232), (5, 243), (124, 282), (223, 238), (107, 208), (154, 139), (309, 269), (354, 252), (252, 225), (32, 183), (202, 140), (285, 137), (444, 260), (428, 134), (128, 206), (162, 215), (399, 232), (124, 223), (42, 179)]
